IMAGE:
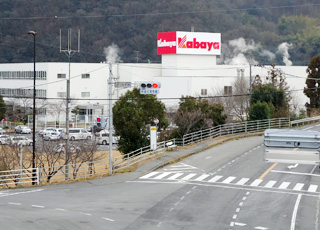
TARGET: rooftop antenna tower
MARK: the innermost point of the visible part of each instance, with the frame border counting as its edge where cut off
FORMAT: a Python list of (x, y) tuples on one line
[(69, 52)]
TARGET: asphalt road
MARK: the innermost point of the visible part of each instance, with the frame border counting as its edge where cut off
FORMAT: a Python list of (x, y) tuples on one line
[(226, 187)]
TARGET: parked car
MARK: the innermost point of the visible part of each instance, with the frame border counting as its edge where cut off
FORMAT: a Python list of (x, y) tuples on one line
[(22, 129), (102, 138), (61, 148), (2, 131), (94, 129), (21, 140), (49, 136), (79, 134), (5, 139), (47, 130)]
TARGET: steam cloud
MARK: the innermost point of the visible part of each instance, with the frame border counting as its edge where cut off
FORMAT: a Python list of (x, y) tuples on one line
[(238, 50), (283, 49), (112, 53)]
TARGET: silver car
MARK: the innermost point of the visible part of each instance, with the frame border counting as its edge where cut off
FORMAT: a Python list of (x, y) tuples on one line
[(5, 139), (2, 131), (21, 140), (22, 129)]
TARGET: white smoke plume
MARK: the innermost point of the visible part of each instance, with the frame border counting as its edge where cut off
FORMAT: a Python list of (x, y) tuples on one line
[(283, 49), (240, 52), (112, 53)]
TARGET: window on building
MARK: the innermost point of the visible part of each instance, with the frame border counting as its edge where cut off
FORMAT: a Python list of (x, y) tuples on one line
[(61, 75), (204, 92), (85, 75), (85, 94), (61, 94), (227, 90)]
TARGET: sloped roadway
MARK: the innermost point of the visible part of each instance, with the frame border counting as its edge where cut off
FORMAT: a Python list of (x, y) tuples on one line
[(227, 187)]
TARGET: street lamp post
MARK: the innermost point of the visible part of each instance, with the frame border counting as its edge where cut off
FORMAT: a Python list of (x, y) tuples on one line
[(34, 109)]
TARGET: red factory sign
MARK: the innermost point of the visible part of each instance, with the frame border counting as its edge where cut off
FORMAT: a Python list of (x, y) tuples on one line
[(178, 42)]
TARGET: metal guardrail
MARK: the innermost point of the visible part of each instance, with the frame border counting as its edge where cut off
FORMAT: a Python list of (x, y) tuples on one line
[(304, 121), (90, 169)]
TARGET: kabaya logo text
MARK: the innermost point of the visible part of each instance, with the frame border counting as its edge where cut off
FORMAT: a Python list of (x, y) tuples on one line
[(183, 43)]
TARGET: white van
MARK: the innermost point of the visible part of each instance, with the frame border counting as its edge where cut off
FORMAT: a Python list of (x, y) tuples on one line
[(79, 134), (102, 138)]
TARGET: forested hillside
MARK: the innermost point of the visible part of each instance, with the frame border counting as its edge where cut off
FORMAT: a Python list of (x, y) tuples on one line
[(133, 25)]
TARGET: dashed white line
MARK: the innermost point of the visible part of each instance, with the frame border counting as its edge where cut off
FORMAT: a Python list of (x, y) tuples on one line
[(61, 209), (37, 206), (87, 214), (12, 203), (108, 219)]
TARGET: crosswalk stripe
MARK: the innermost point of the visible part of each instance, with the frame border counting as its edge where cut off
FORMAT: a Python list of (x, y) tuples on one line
[(298, 186), (162, 175), (189, 176), (149, 175), (256, 182), (284, 185), (215, 179), (175, 176), (313, 188), (202, 177), (270, 184), (228, 180), (242, 181)]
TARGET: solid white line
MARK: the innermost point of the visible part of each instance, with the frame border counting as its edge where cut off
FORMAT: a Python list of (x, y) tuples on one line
[(313, 188), (175, 176), (228, 180), (256, 182), (295, 211), (202, 177), (284, 185), (189, 176), (298, 187), (257, 189), (215, 179), (294, 173), (314, 168), (162, 175), (270, 184), (242, 181), (149, 175)]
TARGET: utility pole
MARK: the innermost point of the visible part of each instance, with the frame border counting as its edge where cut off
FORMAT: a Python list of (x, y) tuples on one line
[(110, 118), (69, 52)]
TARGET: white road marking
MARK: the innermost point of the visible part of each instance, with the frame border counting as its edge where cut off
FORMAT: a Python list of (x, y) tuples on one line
[(234, 217), (240, 224), (61, 209), (189, 176), (295, 173), (261, 228), (270, 184), (149, 175), (238, 210), (202, 177), (215, 179), (87, 214), (18, 193), (162, 175), (295, 211), (105, 218), (240, 204), (308, 128), (298, 187), (242, 181), (14, 203), (228, 180), (175, 176), (37, 206), (284, 185), (313, 188), (293, 166), (256, 182)]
